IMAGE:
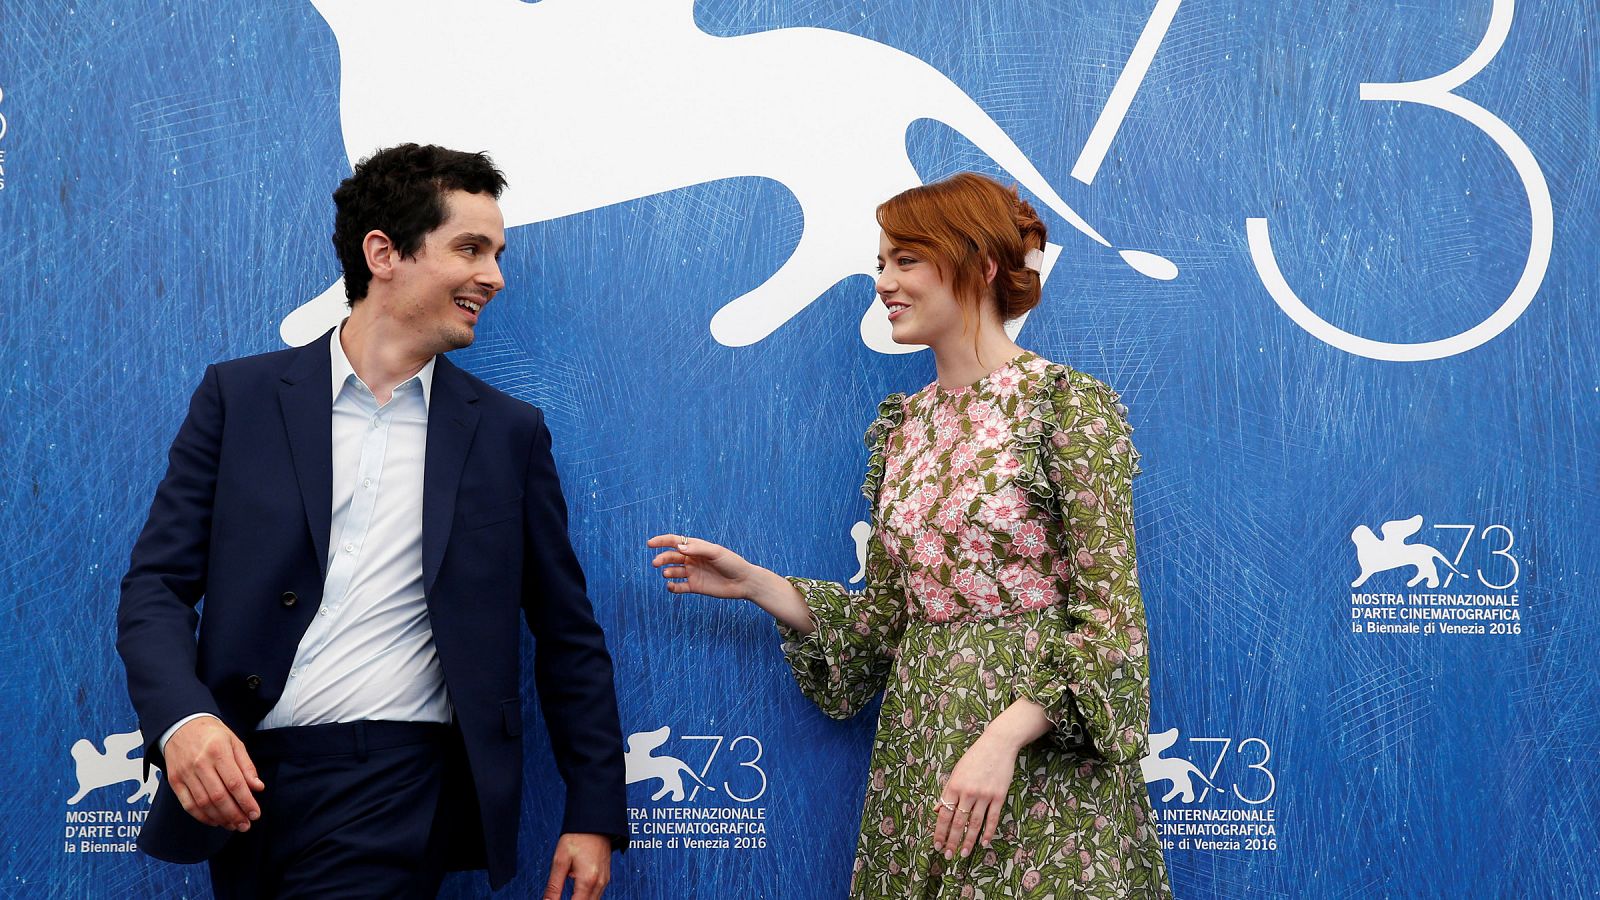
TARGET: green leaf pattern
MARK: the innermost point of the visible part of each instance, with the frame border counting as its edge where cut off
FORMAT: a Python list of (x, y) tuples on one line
[(1000, 566)]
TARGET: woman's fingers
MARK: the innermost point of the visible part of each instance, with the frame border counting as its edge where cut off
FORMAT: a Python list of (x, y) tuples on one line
[(974, 824), (711, 568), (677, 541), (965, 820), (685, 545), (957, 825), (991, 822), (697, 548), (671, 557), (959, 819), (960, 824)]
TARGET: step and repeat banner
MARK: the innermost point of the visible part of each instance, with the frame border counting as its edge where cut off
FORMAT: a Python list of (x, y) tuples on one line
[(1338, 259)]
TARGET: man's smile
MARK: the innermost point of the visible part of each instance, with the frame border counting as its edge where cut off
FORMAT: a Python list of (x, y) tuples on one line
[(471, 306)]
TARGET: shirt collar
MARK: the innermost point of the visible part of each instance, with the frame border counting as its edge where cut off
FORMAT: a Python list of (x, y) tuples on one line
[(342, 370)]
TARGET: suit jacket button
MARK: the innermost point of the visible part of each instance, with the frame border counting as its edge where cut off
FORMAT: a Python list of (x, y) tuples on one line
[(289, 598), (253, 682)]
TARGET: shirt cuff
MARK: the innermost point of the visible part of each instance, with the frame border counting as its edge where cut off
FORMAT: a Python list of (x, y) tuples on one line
[(167, 736)]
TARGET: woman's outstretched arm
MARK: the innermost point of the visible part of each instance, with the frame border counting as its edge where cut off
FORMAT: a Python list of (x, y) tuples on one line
[(839, 643), (714, 570)]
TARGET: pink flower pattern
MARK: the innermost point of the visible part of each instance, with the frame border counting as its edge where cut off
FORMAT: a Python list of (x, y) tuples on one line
[(977, 544), (1030, 540), (963, 457), (1002, 566), (951, 515)]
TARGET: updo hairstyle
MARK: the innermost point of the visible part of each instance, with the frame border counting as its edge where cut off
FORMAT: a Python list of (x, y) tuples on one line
[(960, 223)]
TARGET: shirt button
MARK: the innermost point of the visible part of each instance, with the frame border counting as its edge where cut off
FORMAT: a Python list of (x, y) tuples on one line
[(366, 482), (376, 421), (294, 673), (323, 611), (349, 548)]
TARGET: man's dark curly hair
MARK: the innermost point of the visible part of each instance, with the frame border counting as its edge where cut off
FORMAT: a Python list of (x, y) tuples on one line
[(400, 192)]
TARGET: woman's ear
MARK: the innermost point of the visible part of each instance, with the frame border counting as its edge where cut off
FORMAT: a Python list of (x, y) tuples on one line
[(990, 269)]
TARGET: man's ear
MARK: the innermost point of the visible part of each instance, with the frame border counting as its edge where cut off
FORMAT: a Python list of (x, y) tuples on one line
[(381, 253)]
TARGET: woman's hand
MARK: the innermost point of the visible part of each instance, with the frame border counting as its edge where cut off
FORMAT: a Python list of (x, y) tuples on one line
[(975, 795), (716, 571), (705, 568)]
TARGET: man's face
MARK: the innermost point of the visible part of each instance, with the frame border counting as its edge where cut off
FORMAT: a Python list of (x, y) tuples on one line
[(439, 293)]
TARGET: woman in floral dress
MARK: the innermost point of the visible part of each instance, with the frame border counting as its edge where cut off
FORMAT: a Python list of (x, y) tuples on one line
[(1002, 612)]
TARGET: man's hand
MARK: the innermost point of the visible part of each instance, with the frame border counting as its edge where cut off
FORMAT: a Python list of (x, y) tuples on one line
[(584, 858), (211, 773)]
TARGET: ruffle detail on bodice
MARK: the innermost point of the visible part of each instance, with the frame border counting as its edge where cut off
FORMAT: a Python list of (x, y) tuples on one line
[(1050, 424), (891, 412)]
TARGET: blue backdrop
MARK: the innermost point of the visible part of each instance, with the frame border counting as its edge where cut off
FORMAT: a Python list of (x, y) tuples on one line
[(164, 179)]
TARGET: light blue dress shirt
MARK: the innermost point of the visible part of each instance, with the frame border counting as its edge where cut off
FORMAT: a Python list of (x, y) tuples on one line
[(368, 653)]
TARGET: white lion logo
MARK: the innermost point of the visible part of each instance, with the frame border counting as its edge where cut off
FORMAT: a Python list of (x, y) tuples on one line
[(587, 103), (641, 766), (1392, 552), (116, 765), (860, 533), (1179, 772)]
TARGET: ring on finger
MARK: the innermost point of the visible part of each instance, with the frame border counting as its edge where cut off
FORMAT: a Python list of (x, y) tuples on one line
[(947, 804)]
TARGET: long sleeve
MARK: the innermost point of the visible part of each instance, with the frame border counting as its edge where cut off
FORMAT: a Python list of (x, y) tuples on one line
[(845, 662), (1092, 675), (572, 667), (166, 578)]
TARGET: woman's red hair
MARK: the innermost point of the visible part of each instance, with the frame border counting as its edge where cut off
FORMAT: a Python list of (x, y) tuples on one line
[(960, 224)]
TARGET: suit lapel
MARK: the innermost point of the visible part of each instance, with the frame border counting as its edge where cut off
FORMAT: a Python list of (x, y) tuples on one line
[(452, 420), (307, 400)]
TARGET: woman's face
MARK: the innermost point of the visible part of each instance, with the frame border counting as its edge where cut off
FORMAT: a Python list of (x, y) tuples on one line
[(922, 305)]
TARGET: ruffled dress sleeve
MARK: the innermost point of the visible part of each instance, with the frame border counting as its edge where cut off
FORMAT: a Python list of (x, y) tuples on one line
[(1092, 674), (846, 660)]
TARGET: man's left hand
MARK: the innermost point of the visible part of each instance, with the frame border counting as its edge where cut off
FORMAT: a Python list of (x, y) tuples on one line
[(586, 860)]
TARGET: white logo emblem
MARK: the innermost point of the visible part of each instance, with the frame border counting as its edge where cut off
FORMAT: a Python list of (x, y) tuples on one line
[(860, 532), (669, 770), (603, 101), (1180, 772), (1392, 552), (114, 766)]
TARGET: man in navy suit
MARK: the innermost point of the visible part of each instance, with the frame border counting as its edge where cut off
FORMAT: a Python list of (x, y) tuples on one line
[(365, 523)]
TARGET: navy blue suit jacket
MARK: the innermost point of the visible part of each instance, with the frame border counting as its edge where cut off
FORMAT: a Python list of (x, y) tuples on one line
[(242, 520)]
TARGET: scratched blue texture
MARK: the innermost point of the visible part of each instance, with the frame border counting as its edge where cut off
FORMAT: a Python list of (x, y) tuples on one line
[(166, 177)]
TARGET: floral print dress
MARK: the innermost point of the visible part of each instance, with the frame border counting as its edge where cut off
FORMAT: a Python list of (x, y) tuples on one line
[(1001, 566)]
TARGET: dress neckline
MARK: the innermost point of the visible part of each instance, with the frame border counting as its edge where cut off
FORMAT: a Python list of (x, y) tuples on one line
[(1015, 362)]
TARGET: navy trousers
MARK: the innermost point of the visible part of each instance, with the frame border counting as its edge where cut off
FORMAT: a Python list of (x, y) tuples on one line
[(351, 810)]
